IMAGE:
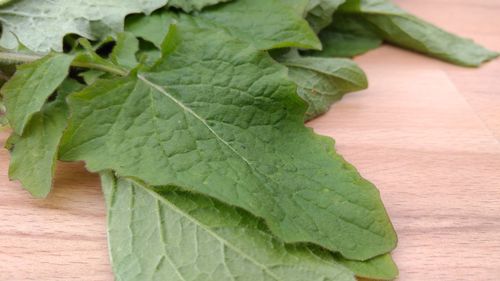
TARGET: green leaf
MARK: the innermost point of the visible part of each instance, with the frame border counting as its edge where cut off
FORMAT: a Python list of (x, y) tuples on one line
[(26, 92), (218, 117), (400, 28), (193, 5), (267, 24), (127, 46), (322, 81), (347, 37), (33, 155), (40, 25), (380, 268), (152, 28), (320, 12), (162, 234)]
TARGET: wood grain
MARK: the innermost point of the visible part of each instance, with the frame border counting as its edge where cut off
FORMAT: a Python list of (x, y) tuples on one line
[(425, 132)]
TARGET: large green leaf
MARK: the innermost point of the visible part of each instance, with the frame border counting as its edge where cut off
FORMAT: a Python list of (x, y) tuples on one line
[(322, 81), (218, 117), (161, 234), (26, 92), (267, 24), (401, 28), (40, 25), (33, 155)]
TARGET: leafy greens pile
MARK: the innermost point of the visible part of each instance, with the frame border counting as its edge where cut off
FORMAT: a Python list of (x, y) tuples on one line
[(193, 113)]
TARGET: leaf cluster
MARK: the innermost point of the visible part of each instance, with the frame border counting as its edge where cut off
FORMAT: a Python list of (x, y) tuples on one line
[(193, 114)]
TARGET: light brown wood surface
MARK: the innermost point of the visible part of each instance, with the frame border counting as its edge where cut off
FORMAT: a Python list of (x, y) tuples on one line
[(426, 133)]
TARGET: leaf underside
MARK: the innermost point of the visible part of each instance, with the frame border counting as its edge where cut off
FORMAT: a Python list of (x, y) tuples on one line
[(164, 234)]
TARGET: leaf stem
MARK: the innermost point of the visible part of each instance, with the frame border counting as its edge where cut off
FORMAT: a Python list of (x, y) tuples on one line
[(18, 58), (107, 68)]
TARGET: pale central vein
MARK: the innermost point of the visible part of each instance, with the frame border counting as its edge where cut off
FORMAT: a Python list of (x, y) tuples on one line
[(221, 239), (194, 114)]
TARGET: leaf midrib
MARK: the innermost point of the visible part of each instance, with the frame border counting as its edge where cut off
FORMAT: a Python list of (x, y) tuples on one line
[(205, 228), (190, 111)]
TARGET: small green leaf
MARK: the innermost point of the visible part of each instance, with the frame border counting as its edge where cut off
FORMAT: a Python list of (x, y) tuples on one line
[(162, 234), (26, 92), (322, 81), (33, 155), (125, 50), (218, 117), (152, 28), (347, 37), (320, 12), (403, 29)]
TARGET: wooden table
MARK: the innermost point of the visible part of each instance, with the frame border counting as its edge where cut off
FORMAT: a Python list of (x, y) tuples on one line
[(425, 132)]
